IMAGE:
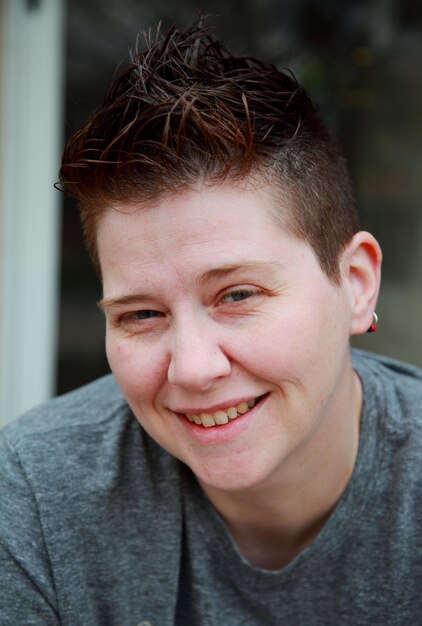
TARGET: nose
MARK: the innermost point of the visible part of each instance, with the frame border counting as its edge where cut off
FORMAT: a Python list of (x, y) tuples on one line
[(197, 359)]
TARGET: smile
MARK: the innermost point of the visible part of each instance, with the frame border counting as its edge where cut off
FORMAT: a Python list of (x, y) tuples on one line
[(223, 416)]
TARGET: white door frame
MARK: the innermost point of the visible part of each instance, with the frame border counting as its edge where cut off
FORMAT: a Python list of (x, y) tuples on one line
[(31, 94)]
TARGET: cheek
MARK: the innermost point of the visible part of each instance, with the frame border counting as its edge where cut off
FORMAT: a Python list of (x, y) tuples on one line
[(293, 342), (139, 371), (276, 342)]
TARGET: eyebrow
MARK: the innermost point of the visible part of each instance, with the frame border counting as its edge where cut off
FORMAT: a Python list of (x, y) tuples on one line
[(227, 270), (208, 276), (108, 303)]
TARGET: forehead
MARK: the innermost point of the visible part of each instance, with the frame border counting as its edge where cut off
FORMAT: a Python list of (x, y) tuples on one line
[(225, 204), (192, 232)]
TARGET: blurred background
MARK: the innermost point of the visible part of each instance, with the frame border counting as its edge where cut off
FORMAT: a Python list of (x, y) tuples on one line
[(361, 61)]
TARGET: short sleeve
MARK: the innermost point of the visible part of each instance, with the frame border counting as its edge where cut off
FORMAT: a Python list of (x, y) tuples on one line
[(27, 593)]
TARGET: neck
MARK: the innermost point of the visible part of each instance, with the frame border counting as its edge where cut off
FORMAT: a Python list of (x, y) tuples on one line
[(273, 522)]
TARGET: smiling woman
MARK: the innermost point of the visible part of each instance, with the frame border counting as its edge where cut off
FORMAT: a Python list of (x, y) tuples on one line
[(238, 437), (202, 352)]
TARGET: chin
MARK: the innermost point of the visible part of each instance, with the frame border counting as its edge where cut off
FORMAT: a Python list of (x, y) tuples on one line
[(230, 478)]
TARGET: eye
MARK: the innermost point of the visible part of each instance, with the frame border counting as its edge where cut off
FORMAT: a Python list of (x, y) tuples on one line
[(236, 295), (144, 315), (139, 321)]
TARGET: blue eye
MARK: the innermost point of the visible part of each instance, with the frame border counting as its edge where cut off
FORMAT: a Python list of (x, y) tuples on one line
[(146, 314), (239, 294)]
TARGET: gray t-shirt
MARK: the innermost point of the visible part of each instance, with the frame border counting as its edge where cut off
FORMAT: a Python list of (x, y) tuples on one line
[(101, 527)]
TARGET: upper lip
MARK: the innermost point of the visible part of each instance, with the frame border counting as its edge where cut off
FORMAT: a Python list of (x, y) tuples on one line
[(221, 406)]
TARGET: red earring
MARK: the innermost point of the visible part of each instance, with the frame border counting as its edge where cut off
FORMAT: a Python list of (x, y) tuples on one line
[(373, 326)]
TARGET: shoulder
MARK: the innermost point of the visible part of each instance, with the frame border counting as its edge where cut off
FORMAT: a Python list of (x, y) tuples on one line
[(72, 437), (89, 405), (393, 391), (86, 496), (86, 407), (73, 451), (400, 375)]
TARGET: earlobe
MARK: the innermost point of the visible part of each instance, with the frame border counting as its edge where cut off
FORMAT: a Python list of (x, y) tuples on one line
[(362, 271)]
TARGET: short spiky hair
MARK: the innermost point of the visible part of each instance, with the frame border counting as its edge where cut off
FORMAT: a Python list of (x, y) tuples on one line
[(186, 110)]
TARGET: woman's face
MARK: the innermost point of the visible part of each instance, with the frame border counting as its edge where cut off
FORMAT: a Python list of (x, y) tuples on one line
[(228, 341)]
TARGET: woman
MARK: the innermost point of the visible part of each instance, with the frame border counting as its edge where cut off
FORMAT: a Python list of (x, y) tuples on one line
[(246, 468)]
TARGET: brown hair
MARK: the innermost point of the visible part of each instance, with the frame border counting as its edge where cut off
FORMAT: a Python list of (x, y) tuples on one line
[(186, 110)]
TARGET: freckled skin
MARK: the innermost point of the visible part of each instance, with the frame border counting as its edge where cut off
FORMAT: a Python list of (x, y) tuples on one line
[(201, 347)]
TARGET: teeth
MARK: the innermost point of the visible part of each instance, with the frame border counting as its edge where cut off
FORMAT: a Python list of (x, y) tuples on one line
[(232, 413), (243, 407), (221, 417), (207, 420)]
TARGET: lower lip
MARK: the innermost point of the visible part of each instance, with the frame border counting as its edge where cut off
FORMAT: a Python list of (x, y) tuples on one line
[(221, 434)]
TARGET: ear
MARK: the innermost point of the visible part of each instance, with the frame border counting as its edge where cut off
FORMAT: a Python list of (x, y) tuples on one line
[(361, 267)]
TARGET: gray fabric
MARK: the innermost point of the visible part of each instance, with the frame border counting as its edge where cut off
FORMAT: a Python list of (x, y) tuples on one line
[(99, 526)]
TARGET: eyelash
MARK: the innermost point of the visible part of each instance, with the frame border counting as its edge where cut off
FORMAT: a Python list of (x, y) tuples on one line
[(149, 313), (238, 295), (142, 316), (246, 292)]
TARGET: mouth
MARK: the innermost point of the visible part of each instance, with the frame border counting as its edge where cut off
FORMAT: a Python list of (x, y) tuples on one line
[(222, 416)]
